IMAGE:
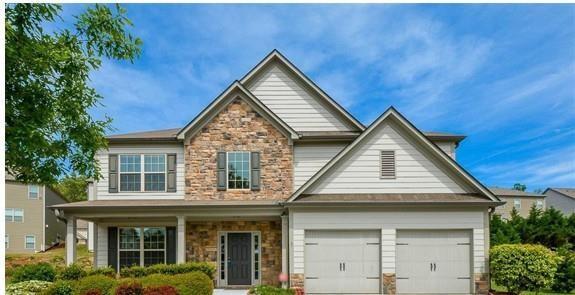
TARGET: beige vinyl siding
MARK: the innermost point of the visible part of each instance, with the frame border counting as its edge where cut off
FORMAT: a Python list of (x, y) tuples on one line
[(388, 221), (295, 105), (526, 203), (33, 224), (447, 147), (310, 157), (102, 185), (560, 202), (359, 171)]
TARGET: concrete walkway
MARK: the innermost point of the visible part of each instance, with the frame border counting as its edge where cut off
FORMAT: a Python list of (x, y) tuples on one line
[(230, 292)]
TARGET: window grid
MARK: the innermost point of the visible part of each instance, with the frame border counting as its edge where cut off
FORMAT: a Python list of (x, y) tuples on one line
[(33, 192), (238, 170), (30, 242), (141, 246), (9, 214), (130, 173), (14, 215), (517, 203), (152, 178)]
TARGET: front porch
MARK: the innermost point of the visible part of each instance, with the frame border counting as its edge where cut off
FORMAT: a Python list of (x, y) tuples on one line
[(246, 241)]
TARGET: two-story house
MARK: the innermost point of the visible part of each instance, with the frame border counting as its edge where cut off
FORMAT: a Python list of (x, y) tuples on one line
[(31, 226), (520, 200), (562, 199), (274, 176)]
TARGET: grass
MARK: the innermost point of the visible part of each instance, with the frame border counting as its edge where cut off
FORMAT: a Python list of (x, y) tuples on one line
[(56, 257), (543, 292)]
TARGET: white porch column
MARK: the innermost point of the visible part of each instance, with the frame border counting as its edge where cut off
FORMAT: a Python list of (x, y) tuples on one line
[(71, 240), (285, 248), (181, 240)]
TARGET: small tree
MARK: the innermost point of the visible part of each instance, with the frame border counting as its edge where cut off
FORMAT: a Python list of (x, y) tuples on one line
[(74, 188), (502, 232), (523, 267), (519, 187)]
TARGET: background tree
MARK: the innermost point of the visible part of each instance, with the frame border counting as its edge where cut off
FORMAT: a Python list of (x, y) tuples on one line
[(49, 132), (519, 187), (74, 188)]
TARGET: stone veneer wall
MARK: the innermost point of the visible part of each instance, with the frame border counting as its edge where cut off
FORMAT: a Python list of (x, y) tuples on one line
[(388, 282), (202, 243), (296, 280), (238, 128)]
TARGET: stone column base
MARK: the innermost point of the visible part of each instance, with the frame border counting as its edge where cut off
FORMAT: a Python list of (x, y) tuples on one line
[(388, 283), (482, 283), (296, 280)]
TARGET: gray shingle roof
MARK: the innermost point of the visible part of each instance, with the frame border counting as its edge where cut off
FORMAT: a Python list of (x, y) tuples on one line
[(505, 192), (569, 192)]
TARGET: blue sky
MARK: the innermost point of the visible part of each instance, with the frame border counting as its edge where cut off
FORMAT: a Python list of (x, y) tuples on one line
[(504, 75)]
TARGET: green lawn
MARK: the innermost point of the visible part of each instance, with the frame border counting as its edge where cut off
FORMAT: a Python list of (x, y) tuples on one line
[(54, 257), (545, 292)]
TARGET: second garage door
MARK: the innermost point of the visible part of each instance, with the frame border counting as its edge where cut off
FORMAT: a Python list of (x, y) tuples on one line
[(342, 262), (433, 262)]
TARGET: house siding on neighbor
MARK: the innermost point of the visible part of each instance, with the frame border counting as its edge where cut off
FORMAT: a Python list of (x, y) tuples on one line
[(311, 202), (561, 202)]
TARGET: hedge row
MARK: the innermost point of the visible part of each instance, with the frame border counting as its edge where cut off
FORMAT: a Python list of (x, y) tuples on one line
[(168, 269)]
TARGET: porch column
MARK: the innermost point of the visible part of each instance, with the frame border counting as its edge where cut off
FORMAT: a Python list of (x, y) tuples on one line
[(181, 240), (71, 240), (285, 248)]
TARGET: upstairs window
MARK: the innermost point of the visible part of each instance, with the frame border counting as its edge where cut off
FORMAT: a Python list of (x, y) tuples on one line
[(387, 164), (14, 215), (517, 204), (150, 179), (238, 170), (539, 204), (33, 192)]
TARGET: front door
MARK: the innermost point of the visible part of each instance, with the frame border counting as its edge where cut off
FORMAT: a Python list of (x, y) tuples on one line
[(239, 259)]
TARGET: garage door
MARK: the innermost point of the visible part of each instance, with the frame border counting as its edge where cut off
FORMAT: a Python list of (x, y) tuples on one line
[(342, 262), (433, 262)]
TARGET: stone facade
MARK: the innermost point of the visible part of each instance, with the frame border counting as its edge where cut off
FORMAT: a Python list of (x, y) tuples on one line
[(296, 280), (482, 283), (388, 282), (238, 128), (202, 244)]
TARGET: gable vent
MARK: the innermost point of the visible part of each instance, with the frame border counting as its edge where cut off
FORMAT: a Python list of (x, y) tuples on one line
[(387, 164)]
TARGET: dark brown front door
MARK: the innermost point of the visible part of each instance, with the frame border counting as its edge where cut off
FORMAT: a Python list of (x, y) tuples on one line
[(239, 259)]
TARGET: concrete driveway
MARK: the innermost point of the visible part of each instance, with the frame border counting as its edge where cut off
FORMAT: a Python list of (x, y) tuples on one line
[(230, 292)]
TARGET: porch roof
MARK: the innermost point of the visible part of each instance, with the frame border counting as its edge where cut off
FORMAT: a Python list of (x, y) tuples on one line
[(164, 204)]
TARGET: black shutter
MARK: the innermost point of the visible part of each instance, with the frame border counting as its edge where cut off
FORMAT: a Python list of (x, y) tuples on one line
[(256, 171), (221, 171), (171, 187), (171, 242), (112, 173), (113, 247)]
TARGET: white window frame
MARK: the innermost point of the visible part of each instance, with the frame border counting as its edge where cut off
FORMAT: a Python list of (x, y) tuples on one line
[(143, 173), (6, 241), (517, 203), (11, 214), (249, 170), (141, 249), (26, 242), (30, 186), (539, 204)]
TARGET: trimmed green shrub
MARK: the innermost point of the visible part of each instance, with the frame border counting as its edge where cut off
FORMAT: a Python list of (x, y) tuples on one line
[(107, 271), (565, 276), (170, 269), (158, 280), (30, 287), (134, 272), (105, 285), (61, 288), (161, 290), (133, 288), (34, 272), (198, 282), (93, 292), (269, 290), (72, 272), (525, 267)]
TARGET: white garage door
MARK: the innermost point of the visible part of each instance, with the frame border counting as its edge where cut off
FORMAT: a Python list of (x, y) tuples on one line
[(342, 262), (433, 262)]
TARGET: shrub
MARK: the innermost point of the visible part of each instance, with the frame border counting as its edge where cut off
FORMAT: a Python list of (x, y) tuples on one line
[(198, 282), (269, 290), (523, 267), (37, 272), (134, 272), (73, 272), (61, 288), (107, 271), (93, 292), (100, 283), (169, 269), (28, 287), (133, 288), (160, 290), (565, 276)]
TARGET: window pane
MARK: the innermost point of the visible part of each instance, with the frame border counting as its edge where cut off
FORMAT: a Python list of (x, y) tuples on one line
[(33, 191), (9, 214), (153, 257), (129, 258), (154, 163), (129, 238), (18, 215), (129, 163), (155, 182), (238, 170), (30, 242), (130, 182), (154, 238)]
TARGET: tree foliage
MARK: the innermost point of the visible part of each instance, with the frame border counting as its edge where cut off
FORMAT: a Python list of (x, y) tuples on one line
[(49, 131), (523, 267), (74, 188), (519, 187), (565, 276)]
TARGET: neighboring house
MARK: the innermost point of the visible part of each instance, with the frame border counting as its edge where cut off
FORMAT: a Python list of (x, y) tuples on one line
[(521, 201), (562, 199), (275, 177), (82, 232), (30, 225)]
